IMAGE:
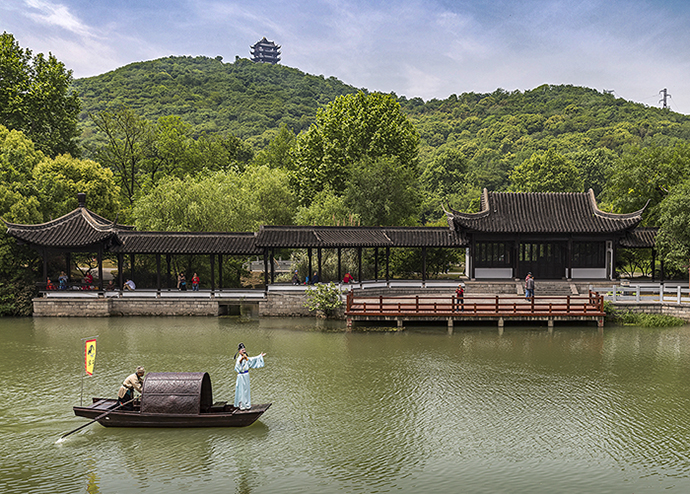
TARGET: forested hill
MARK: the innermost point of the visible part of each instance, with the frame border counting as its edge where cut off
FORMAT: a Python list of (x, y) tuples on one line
[(247, 98), (467, 141), (244, 98), (567, 118)]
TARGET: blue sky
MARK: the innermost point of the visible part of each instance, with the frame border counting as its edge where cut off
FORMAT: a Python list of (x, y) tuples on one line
[(429, 49)]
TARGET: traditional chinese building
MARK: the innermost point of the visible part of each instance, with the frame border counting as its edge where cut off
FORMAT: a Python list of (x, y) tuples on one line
[(265, 51), (551, 235)]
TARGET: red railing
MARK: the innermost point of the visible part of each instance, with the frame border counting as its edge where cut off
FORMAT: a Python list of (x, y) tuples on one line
[(477, 305)]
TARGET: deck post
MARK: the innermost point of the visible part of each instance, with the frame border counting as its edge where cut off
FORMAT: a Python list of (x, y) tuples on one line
[(500, 326), (549, 323), (400, 323), (450, 325)]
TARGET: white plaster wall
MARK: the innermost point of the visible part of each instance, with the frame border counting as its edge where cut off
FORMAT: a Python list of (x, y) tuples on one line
[(493, 273), (589, 273)]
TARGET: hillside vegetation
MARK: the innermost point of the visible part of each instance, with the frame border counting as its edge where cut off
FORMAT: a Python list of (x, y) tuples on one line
[(243, 98), (467, 141)]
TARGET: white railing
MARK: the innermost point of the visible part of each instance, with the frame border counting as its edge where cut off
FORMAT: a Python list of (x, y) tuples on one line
[(248, 294), (152, 293), (371, 284), (646, 292)]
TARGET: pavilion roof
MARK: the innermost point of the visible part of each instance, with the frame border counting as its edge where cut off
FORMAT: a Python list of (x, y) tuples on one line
[(356, 236), (640, 238), (232, 243), (77, 229), (542, 212)]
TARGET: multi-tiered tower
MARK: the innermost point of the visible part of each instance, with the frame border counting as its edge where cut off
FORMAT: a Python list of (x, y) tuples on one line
[(265, 51)]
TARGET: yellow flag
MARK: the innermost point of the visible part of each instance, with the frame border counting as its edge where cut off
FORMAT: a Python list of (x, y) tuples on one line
[(90, 356)]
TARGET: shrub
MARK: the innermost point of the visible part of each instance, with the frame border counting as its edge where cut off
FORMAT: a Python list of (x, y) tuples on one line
[(324, 297), (640, 319)]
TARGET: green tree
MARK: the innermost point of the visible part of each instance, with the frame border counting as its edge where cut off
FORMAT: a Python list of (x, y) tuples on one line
[(594, 166), (349, 129), (170, 150), (126, 139), (279, 152), (443, 181), (35, 98), (673, 239), (383, 192), (327, 209), (59, 180), (546, 172), (644, 174), (220, 201), (19, 203)]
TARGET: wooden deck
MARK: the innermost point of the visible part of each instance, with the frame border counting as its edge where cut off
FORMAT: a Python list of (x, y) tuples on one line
[(499, 308)]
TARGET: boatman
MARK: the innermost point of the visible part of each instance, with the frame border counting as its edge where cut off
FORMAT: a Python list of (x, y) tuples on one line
[(125, 397), (243, 399)]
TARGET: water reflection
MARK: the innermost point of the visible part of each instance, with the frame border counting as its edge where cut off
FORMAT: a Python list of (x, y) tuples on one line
[(575, 410)]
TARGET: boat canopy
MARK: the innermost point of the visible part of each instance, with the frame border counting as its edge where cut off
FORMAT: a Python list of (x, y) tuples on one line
[(176, 393)]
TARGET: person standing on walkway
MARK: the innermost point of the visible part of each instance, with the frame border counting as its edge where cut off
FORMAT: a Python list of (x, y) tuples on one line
[(243, 399), (459, 298), (195, 283), (529, 286)]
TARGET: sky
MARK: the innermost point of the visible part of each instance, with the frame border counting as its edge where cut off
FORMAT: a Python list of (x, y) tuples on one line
[(428, 49)]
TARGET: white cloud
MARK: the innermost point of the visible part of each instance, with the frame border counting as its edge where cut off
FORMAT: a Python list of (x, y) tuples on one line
[(55, 14)]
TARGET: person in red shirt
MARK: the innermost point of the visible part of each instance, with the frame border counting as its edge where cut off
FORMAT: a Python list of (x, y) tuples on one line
[(348, 278), (459, 298), (195, 283)]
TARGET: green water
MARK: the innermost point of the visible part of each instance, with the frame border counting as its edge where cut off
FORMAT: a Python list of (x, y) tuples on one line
[(474, 412)]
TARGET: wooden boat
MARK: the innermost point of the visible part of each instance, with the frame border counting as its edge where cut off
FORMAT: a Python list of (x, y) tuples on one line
[(172, 399)]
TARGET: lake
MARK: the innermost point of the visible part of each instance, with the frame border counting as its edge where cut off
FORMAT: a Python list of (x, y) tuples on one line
[(420, 410)]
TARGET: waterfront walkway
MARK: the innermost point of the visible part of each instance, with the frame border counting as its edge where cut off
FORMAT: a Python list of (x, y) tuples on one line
[(500, 308)]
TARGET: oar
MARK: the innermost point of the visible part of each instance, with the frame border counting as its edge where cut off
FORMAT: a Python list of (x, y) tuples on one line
[(94, 420)]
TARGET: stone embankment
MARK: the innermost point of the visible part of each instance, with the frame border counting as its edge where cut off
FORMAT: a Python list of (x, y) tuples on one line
[(290, 301)]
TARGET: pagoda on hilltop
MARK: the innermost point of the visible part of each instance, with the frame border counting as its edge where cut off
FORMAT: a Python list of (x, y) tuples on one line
[(265, 51)]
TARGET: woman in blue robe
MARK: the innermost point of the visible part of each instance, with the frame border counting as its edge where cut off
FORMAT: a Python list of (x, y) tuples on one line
[(243, 399)]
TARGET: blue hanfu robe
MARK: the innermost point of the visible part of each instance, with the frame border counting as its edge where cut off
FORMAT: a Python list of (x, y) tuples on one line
[(243, 398)]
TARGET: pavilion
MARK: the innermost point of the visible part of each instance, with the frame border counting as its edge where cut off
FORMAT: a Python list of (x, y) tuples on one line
[(551, 235)]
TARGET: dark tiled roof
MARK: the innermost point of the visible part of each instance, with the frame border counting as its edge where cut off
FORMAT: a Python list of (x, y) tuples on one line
[(77, 229), (542, 212), (354, 236), (187, 243), (640, 238)]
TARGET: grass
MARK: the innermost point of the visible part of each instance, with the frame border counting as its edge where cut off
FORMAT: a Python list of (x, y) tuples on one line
[(642, 319)]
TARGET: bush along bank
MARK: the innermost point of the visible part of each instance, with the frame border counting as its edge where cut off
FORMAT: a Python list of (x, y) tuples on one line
[(615, 315)]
